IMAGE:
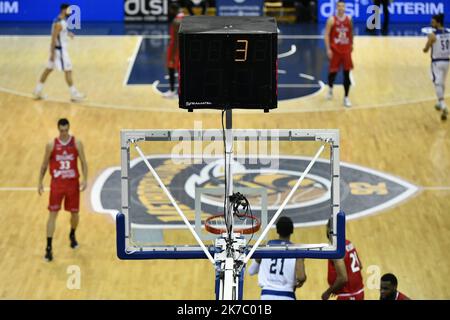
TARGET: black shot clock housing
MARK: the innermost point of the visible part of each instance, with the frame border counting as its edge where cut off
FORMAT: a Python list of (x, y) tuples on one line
[(228, 63)]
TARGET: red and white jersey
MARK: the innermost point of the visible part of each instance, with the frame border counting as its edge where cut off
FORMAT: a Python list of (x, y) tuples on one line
[(177, 19), (63, 161), (401, 296), (355, 282), (341, 37)]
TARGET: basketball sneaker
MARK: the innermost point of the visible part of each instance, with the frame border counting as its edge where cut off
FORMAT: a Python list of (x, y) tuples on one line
[(38, 95), (48, 254), (77, 97), (170, 94), (330, 94), (73, 241), (347, 102), (444, 114)]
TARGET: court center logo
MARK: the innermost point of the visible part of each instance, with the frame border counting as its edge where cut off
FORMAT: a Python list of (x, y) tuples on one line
[(363, 191)]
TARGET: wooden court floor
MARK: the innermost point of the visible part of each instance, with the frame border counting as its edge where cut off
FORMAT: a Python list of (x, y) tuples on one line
[(392, 127)]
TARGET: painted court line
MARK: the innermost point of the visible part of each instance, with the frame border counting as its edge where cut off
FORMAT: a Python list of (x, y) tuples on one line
[(88, 104), (131, 61), (306, 76), (21, 189), (288, 53)]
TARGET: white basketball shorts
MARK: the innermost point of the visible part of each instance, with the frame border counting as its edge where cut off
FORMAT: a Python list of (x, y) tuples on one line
[(62, 61), (439, 71)]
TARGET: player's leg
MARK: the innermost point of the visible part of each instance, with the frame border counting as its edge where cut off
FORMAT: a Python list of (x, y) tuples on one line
[(444, 72), (72, 204), (171, 64), (437, 86), (54, 205), (347, 84), (74, 220), (439, 70), (37, 93), (171, 93), (331, 79), (66, 66), (204, 6), (332, 72), (189, 7), (347, 66), (172, 79), (51, 223), (74, 93), (45, 75)]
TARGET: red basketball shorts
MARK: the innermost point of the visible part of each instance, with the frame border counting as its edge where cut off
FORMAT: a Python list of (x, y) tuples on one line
[(341, 59), (356, 296), (69, 191)]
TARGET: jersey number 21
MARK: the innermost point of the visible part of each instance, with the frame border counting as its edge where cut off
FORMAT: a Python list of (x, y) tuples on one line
[(274, 265)]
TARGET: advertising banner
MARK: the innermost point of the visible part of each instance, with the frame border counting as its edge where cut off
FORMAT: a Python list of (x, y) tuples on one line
[(146, 10), (47, 10), (404, 11), (239, 7)]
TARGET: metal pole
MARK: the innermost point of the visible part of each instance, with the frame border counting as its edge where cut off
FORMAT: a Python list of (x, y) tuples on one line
[(229, 170)]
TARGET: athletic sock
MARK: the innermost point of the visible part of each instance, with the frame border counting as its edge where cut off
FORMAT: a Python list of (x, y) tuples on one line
[(39, 87), (72, 232), (49, 243), (73, 90), (331, 78), (172, 79), (347, 82)]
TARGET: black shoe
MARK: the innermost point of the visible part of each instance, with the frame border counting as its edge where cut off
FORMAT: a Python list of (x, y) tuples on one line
[(444, 114), (48, 254), (73, 241)]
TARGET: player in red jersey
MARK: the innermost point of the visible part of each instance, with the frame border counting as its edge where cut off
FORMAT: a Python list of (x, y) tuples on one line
[(344, 275), (339, 45), (388, 288), (173, 58), (61, 157)]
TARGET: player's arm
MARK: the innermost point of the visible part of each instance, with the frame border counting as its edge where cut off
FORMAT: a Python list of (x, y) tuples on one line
[(254, 267), (341, 279), (328, 27), (84, 166), (300, 273), (351, 32), (44, 166), (359, 261), (430, 41), (176, 27), (56, 30)]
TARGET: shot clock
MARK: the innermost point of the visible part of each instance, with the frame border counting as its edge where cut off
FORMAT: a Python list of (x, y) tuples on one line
[(228, 63)]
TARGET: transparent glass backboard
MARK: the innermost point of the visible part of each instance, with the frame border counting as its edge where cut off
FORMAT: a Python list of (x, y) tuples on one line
[(168, 172)]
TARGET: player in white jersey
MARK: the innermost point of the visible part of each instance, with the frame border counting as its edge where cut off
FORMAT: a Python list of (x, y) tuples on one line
[(439, 43), (278, 278), (59, 55)]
